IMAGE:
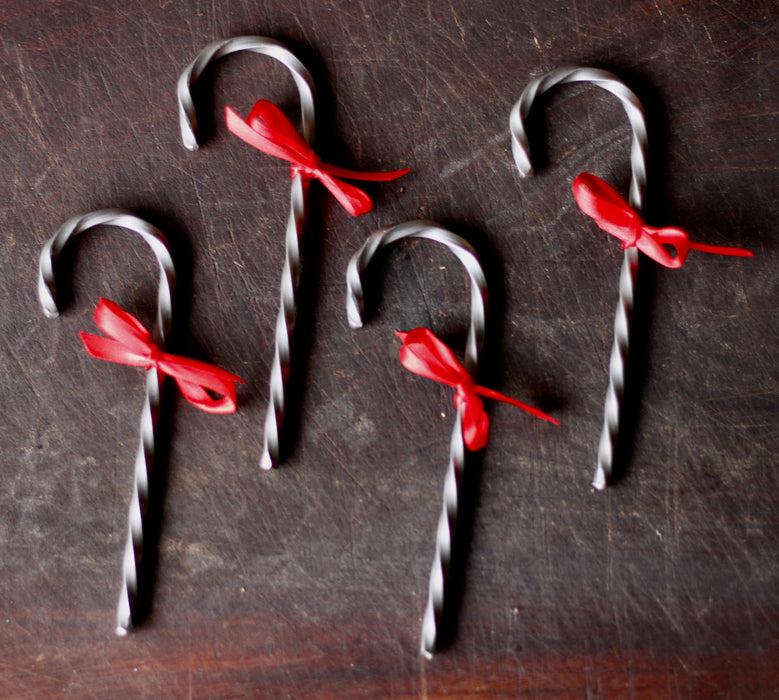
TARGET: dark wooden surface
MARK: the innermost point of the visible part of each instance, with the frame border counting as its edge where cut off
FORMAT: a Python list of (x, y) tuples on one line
[(311, 580)]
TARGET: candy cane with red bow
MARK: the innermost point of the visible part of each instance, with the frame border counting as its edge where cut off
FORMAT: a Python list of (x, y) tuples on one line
[(520, 147), (268, 130), (290, 274), (455, 469), (144, 460), (424, 354)]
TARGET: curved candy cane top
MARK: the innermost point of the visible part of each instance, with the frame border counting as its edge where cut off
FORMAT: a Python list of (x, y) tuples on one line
[(47, 289), (520, 146), (430, 231), (224, 47)]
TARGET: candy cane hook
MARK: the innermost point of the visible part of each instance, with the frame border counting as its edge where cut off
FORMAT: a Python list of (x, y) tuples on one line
[(224, 47), (290, 276), (144, 461), (454, 473), (629, 273)]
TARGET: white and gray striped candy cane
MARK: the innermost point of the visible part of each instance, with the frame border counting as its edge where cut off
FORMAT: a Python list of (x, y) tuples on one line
[(290, 276), (455, 469), (144, 460), (629, 272)]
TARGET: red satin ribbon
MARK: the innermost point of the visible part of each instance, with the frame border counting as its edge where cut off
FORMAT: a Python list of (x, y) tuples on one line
[(613, 214), (425, 354), (131, 344), (268, 130)]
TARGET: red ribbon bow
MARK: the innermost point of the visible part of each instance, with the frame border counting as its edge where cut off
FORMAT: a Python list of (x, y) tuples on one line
[(268, 130), (131, 344), (613, 214), (425, 354)]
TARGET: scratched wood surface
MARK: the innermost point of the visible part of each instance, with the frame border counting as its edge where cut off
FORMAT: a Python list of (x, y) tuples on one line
[(311, 581)]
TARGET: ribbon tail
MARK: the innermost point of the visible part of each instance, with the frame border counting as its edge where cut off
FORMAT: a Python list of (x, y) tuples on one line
[(497, 396), (722, 250), (199, 397), (385, 176), (351, 198), (112, 350), (194, 378)]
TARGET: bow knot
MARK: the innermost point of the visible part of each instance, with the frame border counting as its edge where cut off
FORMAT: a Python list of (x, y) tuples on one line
[(129, 343), (310, 168), (155, 356), (632, 235), (269, 131), (463, 393), (463, 389), (613, 214), (425, 354)]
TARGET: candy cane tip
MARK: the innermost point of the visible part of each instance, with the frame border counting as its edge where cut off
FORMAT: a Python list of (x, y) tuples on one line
[(426, 655), (354, 318), (121, 631), (599, 481), (47, 299), (189, 137), (521, 160), (267, 461)]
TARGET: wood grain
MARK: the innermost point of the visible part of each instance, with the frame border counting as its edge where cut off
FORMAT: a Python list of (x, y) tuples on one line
[(311, 580)]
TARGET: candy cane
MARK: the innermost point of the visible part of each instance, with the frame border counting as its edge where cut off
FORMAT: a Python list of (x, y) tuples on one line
[(454, 473), (144, 461), (290, 276), (629, 273)]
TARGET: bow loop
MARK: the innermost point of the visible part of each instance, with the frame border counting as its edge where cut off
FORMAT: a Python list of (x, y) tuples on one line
[(425, 354), (601, 202), (657, 241), (129, 343), (124, 328), (269, 131), (280, 136), (476, 423)]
